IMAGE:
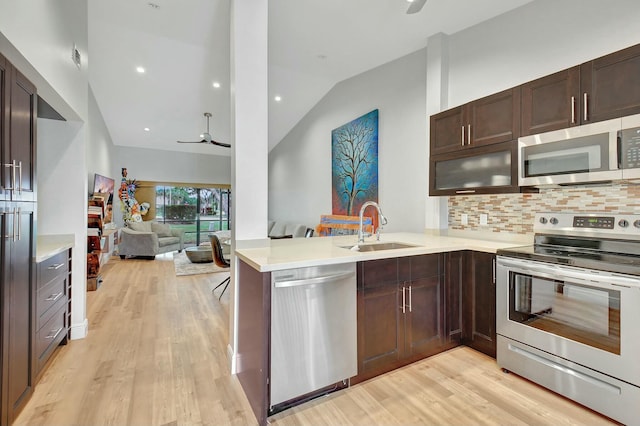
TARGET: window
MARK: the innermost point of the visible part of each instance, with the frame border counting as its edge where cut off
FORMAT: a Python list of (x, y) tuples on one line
[(197, 210)]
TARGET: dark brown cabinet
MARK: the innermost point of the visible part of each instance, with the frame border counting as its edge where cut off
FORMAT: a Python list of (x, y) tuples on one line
[(479, 303), (18, 115), (16, 248), (597, 90), (485, 170), (551, 102), (454, 278), (17, 233), (492, 119), (52, 323), (400, 312), (610, 86)]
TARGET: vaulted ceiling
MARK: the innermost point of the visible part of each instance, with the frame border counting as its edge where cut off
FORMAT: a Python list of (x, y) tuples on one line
[(184, 49)]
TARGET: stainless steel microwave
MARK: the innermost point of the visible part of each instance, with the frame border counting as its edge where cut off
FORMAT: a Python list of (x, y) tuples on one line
[(603, 151)]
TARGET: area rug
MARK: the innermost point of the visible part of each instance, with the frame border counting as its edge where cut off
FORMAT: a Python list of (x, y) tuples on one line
[(184, 266)]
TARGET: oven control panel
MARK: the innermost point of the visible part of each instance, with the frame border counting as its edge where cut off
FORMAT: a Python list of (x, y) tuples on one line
[(598, 222), (618, 226)]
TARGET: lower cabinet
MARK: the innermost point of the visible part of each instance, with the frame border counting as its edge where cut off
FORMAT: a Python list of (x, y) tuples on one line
[(400, 313), (479, 303), (52, 324)]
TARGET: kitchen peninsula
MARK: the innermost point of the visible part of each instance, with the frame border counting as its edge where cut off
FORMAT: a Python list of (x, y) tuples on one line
[(426, 295)]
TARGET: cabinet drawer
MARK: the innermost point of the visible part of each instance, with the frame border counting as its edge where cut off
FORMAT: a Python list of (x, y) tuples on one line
[(49, 298), (53, 267), (50, 335)]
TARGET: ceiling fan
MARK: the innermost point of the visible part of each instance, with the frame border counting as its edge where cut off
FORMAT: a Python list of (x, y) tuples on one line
[(415, 6), (206, 137)]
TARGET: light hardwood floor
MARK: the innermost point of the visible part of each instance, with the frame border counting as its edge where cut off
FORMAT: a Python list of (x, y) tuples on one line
[(156, 355)]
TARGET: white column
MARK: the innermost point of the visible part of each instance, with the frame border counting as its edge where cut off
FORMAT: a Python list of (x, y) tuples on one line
[(249, 128), (436, 211)]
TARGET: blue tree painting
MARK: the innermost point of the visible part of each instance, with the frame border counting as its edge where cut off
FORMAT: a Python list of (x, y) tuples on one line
[(354, 155)]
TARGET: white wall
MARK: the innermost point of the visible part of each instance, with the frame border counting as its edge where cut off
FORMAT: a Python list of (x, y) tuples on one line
[(535, 40), (540, 38), (38, 37), (300, 165), (100, 148)]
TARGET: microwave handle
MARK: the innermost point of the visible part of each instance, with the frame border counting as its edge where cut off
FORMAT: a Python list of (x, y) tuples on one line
[(619, 148)]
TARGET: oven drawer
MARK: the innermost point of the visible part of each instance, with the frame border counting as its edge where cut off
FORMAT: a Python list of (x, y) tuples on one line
[(53, 267), (602, 393)]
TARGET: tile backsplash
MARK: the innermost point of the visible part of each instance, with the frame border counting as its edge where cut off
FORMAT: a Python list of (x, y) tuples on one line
[(514, 213)]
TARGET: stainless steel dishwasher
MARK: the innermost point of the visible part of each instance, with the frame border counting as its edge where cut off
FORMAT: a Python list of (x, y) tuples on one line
[(313, 331)]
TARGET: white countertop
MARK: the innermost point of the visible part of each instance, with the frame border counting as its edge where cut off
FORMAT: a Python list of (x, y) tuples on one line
[(50, 245), (302, 252)]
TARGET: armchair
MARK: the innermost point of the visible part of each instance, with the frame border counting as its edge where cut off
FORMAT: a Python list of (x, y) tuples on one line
[(147, 239)]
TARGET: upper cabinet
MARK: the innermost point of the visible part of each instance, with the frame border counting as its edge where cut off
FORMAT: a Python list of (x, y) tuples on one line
[(18, 100), (551, 102), (490, 120), (597, 90), (610, 86)]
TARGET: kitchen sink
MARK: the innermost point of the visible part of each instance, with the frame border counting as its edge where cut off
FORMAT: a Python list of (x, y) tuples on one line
[(379, 246)]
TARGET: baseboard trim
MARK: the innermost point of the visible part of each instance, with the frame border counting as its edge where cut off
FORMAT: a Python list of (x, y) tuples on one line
[(80, 331)]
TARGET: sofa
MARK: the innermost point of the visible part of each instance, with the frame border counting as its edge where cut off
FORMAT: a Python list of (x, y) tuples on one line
[(281, 229), (147, 239)]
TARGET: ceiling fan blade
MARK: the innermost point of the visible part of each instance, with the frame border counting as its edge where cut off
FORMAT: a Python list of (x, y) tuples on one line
[(202, 141), (226, 145), (416, 6)]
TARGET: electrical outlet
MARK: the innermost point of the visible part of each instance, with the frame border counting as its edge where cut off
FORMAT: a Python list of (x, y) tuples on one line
[(484, 219), (464, 219)]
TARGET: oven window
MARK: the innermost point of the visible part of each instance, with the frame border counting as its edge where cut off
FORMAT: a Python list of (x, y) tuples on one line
[(581, 313)]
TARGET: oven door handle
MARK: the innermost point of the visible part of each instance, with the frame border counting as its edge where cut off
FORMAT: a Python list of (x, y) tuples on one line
[(562, 273)]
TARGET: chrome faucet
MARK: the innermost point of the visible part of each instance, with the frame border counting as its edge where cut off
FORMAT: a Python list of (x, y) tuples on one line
[(381, 220)]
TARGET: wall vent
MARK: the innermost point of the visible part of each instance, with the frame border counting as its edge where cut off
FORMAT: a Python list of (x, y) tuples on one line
[(76, 57)]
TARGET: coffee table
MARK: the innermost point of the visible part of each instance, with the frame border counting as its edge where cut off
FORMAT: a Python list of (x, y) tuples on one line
[(199, 254)]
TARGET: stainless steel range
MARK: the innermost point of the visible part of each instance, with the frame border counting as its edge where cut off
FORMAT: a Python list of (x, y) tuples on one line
[(568, 310)]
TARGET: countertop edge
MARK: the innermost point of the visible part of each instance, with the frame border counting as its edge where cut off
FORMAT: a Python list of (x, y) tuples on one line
[(277, 256), (50, 245)]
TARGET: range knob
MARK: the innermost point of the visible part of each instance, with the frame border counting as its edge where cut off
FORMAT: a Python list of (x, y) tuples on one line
[(636, 223), (553, 221), (543, 220), (623, 223)]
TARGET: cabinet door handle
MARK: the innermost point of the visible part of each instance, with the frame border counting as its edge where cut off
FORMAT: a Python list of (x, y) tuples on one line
[(56, 266), (54, 297), (19, 220), (403, 300), (410, 299), (585, 101), (53, 334), (19, 177), (468, 134), (493, 265), (462, 136), (12, 185), (573, 110)]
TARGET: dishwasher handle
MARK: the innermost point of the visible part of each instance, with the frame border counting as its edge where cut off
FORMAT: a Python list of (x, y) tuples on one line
[(322, 279)]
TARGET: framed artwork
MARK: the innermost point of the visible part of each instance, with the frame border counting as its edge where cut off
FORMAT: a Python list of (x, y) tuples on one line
[(354, 164)]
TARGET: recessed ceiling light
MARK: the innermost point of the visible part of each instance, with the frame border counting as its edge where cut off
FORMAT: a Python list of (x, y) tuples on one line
[(216, 84), (141, 70), (409, 1), (146, 129), (277, 98)]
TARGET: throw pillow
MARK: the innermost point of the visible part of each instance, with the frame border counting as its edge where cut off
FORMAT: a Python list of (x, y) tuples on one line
[(161, 229), (140, 226)]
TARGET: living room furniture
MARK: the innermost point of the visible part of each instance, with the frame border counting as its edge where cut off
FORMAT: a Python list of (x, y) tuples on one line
[(147, 239), (199, 254), (280, 229), (220, 261)]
